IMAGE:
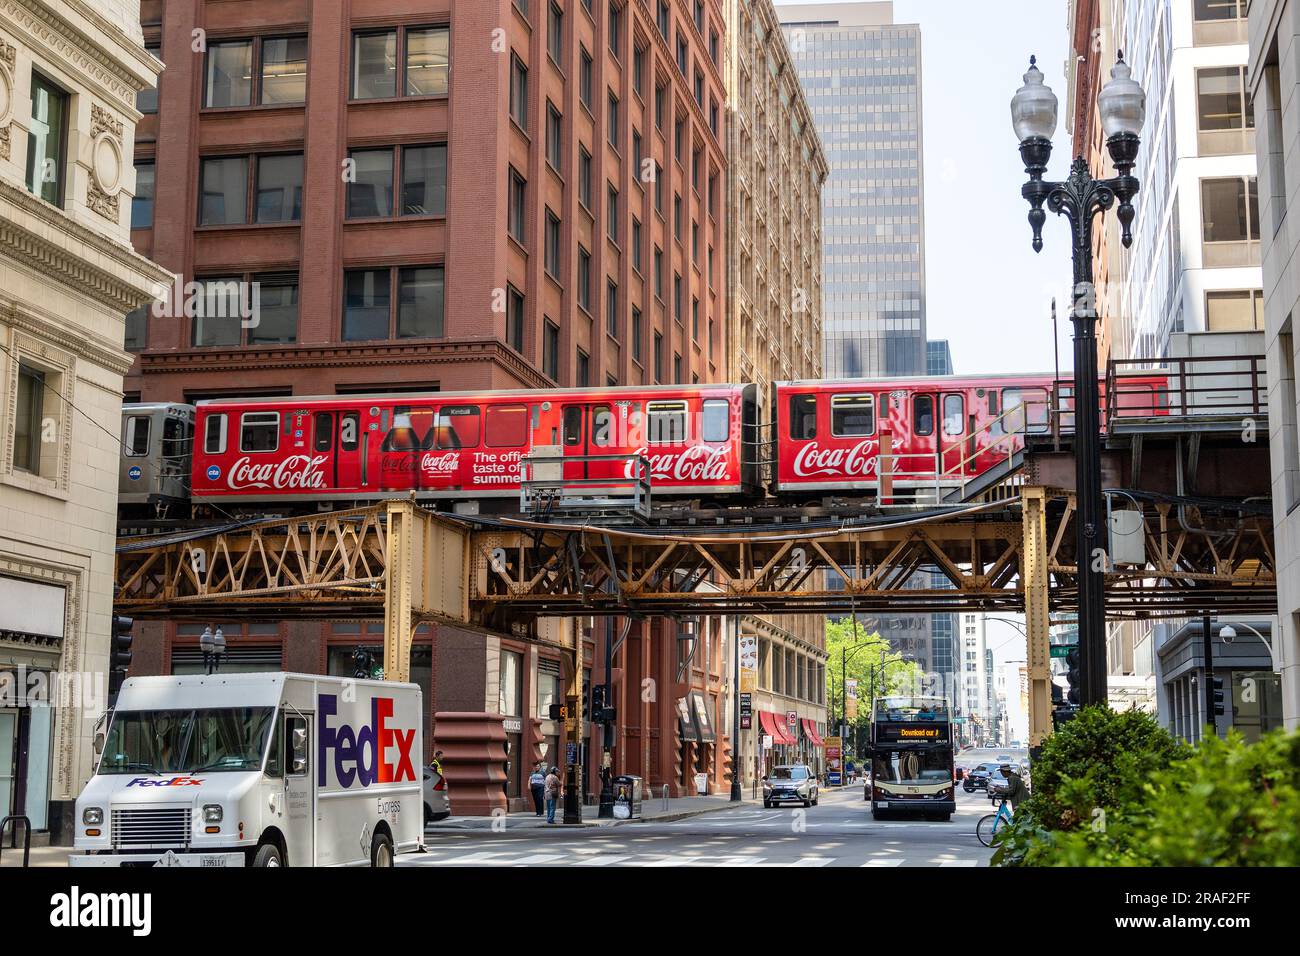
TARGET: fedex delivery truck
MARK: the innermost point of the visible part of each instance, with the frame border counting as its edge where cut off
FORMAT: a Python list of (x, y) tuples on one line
[(255, 770)]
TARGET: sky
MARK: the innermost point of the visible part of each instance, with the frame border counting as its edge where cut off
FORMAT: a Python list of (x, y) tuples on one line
[(987, 291)]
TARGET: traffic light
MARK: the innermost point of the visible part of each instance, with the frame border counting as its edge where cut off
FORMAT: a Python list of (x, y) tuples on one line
[(366, 665), (119, 652), (1217, 683), (1072, 675), (597, 698)]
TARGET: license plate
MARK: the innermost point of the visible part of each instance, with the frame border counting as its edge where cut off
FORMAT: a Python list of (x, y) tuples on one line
[(215, 860)]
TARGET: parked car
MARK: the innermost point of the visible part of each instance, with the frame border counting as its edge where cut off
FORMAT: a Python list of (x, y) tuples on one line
[(790, 783), (437, 801)]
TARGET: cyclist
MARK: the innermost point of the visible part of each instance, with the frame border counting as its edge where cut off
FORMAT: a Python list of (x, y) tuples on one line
[(1016, 791)]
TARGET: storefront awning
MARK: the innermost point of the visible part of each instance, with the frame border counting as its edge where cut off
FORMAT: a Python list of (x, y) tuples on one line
[(810, 731), (686, 721), (703, 725), (774, 724)]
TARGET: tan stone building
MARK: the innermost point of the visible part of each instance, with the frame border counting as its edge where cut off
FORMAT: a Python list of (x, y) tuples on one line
[(70, 71), (776, 169)]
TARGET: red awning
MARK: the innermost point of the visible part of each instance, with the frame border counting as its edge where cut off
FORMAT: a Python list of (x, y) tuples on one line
[(774, 724), (810, 731)]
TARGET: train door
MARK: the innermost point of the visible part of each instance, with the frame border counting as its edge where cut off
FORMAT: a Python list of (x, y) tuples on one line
[(955, 441), (589, 429), (336, 435), (920, 459)]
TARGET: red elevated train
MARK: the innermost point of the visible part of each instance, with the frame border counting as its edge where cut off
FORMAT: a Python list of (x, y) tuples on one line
[(701, 441)]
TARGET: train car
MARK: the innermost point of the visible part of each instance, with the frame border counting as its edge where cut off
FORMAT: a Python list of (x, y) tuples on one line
[(154, 473), (939, 431), (470, 445)]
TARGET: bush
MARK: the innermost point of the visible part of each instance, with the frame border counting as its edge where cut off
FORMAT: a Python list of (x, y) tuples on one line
[(1223, 803)]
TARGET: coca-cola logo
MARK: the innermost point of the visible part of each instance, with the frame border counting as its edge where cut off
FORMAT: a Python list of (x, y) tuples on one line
[(697, 463), (856, 462), (445, 464), (299, 472)]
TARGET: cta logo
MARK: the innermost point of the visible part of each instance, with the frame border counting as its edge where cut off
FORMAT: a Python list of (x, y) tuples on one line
[(361, 753), (214, 472), (134, 472), (182, 781)]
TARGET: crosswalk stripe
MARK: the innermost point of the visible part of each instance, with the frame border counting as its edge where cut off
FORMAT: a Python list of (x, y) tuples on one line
[(537, 858), (602, 860), (813, 861), (893, 861), (959, 862)]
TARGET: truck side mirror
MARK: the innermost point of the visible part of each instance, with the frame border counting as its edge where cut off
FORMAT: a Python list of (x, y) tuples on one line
[(99, 744)]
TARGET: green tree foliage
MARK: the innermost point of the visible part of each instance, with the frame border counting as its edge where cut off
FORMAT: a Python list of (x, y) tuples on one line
[(864, 664), (1117, 790)]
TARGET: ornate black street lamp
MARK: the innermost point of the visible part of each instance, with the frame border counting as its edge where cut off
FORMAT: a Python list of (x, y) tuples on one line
[(1080, 198)]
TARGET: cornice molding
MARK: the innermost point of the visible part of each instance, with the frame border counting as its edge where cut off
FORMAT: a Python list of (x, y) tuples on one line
[(127, 284), (23, 316)]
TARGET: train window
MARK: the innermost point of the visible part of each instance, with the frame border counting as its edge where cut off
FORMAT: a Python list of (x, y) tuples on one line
[(853, 415), (667, 422), (457, 427), (717, 420), (572, 425), (1013, 409), (137, 436), (259, 431), (954, 414), (323, 439), (214, 435), (803, 417), (923, 415), (506, 426), (349, 428), (602, 427)]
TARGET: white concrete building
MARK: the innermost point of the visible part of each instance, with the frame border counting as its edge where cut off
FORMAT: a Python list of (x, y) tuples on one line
[(69, 74), (973, 682)]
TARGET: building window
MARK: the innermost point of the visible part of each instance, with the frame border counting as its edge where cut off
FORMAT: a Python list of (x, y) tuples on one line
[(146, 101), (695, 318), (699, 16), (638, 70), (229, 76), (638, 154), (584, 279), (515, 318), (551, 351), (223, 189), (552, 243), (279, 188), (677, 369), (636, 244), (518, 92), (555, 35), (659, 273), (661, 94), (584, 369), (659, 189), (615, 27), (142, 201), (677, 296), (662, 18), (283, 71), (518, 206), (269, 71), (584, 177), (28, 414), (246, 310), (636, 333), (1234, 311), (658, 357), (611, 209), (584, 78), (369, 310), (421, 68), (683, 52), (1230, 209), (554, 143), (45, 140), (277, 305), (611, 308), (1222, 99), (613, 120), (422, 173), (1204, 10), (677, 216)]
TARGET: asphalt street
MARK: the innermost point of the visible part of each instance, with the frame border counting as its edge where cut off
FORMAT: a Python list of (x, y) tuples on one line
[(837, 832)]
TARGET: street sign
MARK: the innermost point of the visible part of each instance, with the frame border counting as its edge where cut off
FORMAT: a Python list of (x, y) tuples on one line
[(791, 719), (1062, 650)]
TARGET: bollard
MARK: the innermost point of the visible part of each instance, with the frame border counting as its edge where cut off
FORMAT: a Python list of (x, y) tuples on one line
[(665, 797)]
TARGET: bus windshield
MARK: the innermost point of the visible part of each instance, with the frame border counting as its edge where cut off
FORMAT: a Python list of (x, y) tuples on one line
[(222, 739), (917, 766), (899, 709)]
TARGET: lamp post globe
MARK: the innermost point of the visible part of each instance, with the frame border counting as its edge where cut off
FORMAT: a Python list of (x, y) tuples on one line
[(1033, 108), (1122, 102)]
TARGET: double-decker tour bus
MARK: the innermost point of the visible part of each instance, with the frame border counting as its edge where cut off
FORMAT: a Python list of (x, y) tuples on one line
[(911, 757)]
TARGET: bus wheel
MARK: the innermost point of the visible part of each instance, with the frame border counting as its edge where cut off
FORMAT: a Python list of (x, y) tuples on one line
[(381, 851), (268, 854)]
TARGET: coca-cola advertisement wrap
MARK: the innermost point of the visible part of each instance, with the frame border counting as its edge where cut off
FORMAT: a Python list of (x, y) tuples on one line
[(297, 472)]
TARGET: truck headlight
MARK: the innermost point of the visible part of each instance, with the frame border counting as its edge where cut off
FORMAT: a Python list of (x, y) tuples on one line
[(92, 816), (212, 813)]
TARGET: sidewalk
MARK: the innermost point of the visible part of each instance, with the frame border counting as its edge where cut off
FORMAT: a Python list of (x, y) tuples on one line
[(42, 853), (656, 810)]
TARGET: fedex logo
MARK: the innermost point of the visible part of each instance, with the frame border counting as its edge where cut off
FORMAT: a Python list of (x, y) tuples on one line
[(350, 746), (173, 782)]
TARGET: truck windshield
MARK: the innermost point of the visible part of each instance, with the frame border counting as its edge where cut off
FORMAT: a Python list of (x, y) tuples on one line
[(187, 741)]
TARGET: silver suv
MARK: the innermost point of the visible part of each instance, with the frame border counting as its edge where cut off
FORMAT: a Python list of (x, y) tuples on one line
[(790, 783)]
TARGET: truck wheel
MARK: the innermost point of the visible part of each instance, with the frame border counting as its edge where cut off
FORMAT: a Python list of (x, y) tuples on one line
[(268, 854), (381, 851)]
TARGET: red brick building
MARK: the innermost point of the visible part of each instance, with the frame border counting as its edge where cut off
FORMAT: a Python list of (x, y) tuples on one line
[(441, 195)]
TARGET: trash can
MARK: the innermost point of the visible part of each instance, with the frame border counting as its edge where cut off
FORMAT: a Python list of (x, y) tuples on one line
[(702, 784), (627, 798)]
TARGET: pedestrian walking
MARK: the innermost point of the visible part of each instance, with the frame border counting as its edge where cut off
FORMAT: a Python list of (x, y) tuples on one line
[(537, 784), (552, 791)]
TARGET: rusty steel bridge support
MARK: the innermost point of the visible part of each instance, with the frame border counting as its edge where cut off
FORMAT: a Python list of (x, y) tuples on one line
[(1035, 586)]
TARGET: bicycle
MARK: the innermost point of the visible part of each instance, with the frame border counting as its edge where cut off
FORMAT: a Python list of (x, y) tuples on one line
[(988, 825)]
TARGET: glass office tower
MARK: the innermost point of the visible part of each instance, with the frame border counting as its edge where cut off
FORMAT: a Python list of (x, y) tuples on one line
[(861, 74)]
